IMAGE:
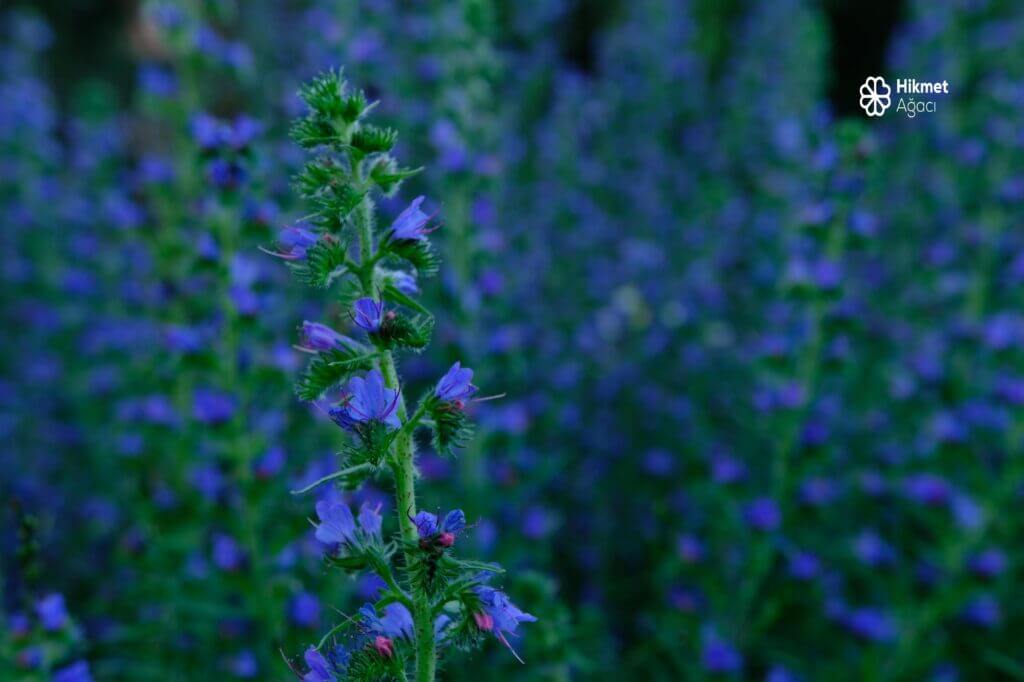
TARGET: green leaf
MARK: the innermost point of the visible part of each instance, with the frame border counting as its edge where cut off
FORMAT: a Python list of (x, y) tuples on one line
[(386, 174), (399, 331), (419, 252), (330, 368), (390, 293), (451, 428), (369, 139)]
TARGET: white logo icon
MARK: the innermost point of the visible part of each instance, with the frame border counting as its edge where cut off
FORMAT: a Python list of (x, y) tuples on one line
[(874, 96)]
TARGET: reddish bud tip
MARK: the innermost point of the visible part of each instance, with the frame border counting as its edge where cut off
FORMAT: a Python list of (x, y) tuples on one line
[(383, 646), (483, 621), (446, 539)]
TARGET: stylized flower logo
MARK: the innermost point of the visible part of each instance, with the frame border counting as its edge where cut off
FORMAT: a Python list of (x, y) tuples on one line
[(874, 96)]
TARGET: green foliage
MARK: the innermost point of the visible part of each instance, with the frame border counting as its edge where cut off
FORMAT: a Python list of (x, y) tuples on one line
[(324, 261), (400, 331), (452, 428), (419, 253), (373, 446), (330, 100), (387, 175), (366, 665), (369, 139), (330, 368)]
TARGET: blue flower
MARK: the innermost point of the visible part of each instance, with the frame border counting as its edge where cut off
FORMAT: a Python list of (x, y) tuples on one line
[(293, 243), (412, 223), (244, 665), (455, 384), (207, 131), (244, 130), (871, 624), (426, 524), (319, 669), (719, 656), (404, 282), (370, 520), (337, 526), (763, 514), (320, 337), (212, 407), (395, 622), (76, 672), (367, 400), (227, 553), (454, 521), (499, 615), (52, 612), (983, 611), (368, 314), (304, 610)]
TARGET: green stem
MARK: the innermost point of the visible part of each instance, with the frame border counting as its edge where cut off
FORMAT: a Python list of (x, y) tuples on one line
[(402, 463)]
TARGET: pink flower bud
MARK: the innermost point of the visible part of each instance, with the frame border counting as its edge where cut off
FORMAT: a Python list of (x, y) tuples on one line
[(383, 646), (446, 539), (483, 621)]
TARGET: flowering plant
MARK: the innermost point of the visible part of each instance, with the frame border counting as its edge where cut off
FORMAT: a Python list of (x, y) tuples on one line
[(433, 600)]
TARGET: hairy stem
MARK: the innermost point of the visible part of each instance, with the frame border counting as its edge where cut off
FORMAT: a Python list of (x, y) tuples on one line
[(402, 463)]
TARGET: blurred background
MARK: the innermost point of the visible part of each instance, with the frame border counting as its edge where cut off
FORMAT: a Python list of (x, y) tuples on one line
[(762, 353)]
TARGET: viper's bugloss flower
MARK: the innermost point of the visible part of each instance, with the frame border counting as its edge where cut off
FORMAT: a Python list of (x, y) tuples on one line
[(370, 520), (32, 657), (427, 527), (244, 665), (320, 337), (293, 243), (212, 407), (368, 314), (501, 615), (871, 624), (983, 611), (763, 514), (319, 668), (404, 282), (207, 132), (76, 672), (19, 625), (52, 612), (395, 621), (270, 464), (367, 400), (989, 564), (804, 566), (927, 489), (338, 526), (304, 610), (456, 384), (411, 224), (242, 133), (227, 553), (719, 656), (225, 173), (872, 550), (426, 524)]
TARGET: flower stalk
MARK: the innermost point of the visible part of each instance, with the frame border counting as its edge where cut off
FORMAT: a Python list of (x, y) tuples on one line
[(433, 600)]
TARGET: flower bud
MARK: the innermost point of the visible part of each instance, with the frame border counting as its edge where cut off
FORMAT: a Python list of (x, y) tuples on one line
[(383, 646), (484, 621)]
